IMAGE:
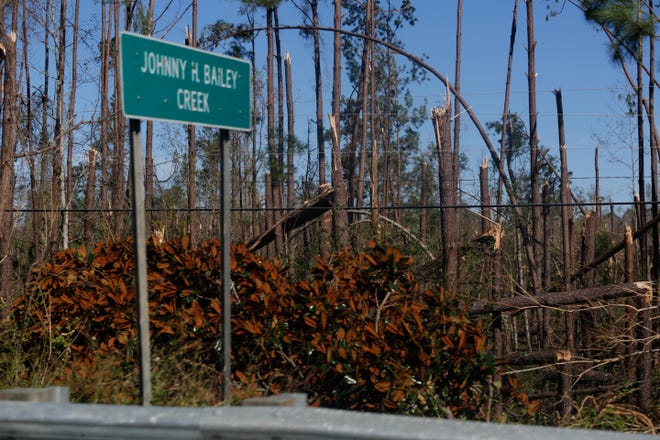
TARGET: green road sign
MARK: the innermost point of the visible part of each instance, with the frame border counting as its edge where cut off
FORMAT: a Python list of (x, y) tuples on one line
[(171, 82)]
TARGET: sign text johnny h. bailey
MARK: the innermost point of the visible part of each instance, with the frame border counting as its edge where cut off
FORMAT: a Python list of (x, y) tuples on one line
[(171, 82)]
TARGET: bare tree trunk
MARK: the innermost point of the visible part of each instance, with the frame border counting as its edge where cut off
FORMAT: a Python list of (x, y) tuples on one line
[(643, 251), (59, 193), (424, 200), (645, 326), (319, 92), (255, 93), (269, 203), (278, 195), (544, 315), (8, 142), (149, 145), (497, 289), (355, 158), (493, 260), (631, 316), (533, 142), (45, 184), (566, 211), (587, 318), (193, 229), (291, 142), (92, 153), (271, 138), (339, 211), (639, 217), (71, 117), (646, 329), (375, 210), (105, 107), (29, 141), (118, 182), (456, 172), (589, 232), (457, 86), (291, 137), (566, 390), (90, 195), (505, 111), (486, 222), (365, 87), (441, 123)]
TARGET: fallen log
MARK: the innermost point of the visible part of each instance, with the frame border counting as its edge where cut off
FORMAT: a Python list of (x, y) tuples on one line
[(308, 211), (555, 299)]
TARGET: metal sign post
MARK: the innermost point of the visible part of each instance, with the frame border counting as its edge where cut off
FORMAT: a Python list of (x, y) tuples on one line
[(140, 246), (225, 239), (172, 82)]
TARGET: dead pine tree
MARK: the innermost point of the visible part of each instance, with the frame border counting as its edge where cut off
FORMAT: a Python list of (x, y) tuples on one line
[(10, 124), (566, 385), (192, 225), (441, 118)]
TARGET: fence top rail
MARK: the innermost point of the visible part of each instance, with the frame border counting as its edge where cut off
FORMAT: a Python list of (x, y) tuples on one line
[(26, 420)]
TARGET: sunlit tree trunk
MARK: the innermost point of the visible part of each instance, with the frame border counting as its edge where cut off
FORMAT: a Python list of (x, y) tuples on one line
[(371, 63), (291, 136), (59, 194), (72, 111), (8, 142)]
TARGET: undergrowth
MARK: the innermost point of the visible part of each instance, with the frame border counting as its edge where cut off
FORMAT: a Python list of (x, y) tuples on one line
[(358, 333)]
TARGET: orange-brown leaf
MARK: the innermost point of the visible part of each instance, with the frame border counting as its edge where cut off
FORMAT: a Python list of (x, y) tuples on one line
[(383, 386)]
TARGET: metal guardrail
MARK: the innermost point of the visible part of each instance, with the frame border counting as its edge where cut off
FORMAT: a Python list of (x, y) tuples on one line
[(27, 420)]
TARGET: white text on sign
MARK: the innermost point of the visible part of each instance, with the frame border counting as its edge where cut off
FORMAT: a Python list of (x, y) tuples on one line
[(176, 68)]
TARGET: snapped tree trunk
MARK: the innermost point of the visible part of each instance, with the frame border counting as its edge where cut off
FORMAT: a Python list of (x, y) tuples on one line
[(441, 122), (566, 383), (275, 171), (291, 137)]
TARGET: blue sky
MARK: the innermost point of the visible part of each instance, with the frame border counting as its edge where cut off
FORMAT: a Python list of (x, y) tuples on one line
[(570, 55)]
